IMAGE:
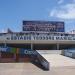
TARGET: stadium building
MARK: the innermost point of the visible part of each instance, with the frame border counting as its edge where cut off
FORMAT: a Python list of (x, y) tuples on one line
[(37, 35)]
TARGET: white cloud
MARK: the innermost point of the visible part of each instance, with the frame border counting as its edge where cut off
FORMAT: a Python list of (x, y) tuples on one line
[(60, 1), (64, 12)]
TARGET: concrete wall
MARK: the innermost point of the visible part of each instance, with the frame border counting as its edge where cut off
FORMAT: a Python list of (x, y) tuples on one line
[(49, 51)]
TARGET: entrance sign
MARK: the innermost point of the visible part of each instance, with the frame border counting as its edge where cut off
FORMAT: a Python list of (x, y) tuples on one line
[(40, 37)]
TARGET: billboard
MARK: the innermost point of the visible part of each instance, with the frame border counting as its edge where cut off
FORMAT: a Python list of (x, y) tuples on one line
[(49, 26)]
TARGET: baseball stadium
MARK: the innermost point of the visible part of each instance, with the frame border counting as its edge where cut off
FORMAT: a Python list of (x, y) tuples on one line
[(35, 35)]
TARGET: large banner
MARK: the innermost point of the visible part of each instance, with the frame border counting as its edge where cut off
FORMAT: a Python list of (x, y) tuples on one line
[(18, 50), (49, 26)]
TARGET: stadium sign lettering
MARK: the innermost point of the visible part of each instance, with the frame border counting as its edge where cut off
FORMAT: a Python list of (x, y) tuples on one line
[(65, 38), (53, 38), (44, 38), (20, 38), (24, 37)]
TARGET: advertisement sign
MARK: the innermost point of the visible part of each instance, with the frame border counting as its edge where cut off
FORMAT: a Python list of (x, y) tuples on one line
[(27, 51), (18, 50), (8, 49), (49, 26)]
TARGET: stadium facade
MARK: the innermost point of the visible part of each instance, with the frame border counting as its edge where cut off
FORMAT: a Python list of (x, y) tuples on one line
[(39, 35), (35, 35)]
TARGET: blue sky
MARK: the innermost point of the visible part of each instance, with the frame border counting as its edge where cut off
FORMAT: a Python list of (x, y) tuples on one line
[(13, 12)]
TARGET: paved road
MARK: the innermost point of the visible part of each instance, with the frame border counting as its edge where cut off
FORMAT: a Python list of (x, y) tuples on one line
[(60, 65)]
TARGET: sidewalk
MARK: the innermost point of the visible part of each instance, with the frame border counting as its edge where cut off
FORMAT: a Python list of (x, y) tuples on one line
[(57, 60), (59, 65)]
